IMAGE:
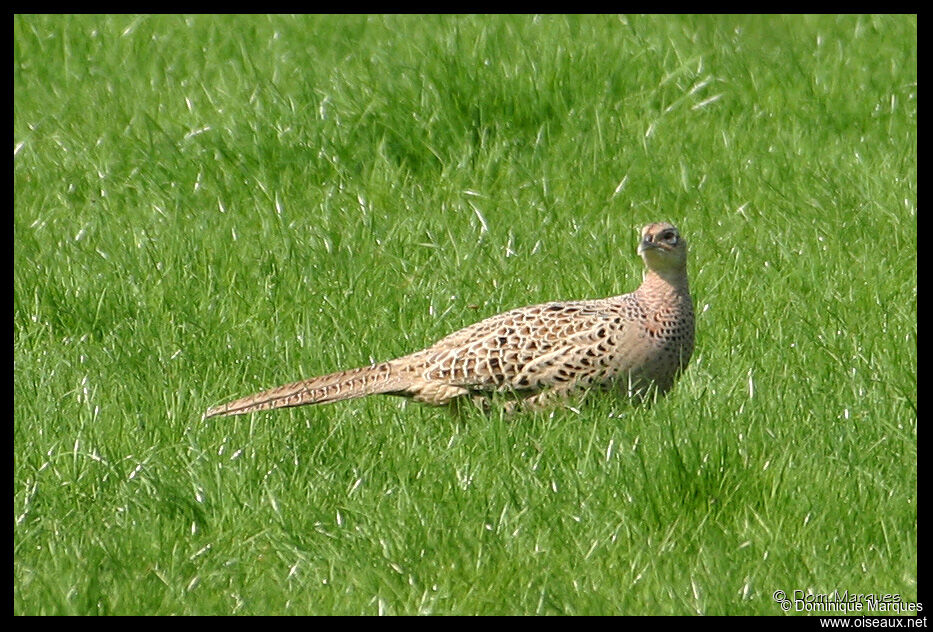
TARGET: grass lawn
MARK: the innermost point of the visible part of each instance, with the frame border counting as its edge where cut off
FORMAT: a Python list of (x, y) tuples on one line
[(207, 206)]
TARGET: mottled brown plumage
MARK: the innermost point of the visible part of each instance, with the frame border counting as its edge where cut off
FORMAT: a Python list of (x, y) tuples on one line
[(533, 355)]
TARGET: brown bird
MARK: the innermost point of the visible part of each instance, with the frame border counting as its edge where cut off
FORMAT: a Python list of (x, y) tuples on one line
[(635, 342)]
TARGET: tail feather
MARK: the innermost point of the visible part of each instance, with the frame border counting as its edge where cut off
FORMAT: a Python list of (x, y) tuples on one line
[(370, 380)]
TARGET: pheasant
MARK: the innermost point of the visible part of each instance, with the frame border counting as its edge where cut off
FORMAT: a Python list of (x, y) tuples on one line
[(636, 342)]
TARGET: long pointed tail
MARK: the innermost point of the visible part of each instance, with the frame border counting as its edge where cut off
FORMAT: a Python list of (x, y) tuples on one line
[(370, 380)]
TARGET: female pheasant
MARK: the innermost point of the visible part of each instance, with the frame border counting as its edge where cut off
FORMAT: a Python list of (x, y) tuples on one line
[(635, 342)]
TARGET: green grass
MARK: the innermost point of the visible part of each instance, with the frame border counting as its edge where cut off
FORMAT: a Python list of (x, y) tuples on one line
[(206, 206)]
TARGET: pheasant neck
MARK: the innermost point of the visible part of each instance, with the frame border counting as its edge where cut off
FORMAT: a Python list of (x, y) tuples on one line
[(665, 286)]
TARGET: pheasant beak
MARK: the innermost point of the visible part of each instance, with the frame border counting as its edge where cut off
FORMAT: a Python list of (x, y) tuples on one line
[(646, 244)]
